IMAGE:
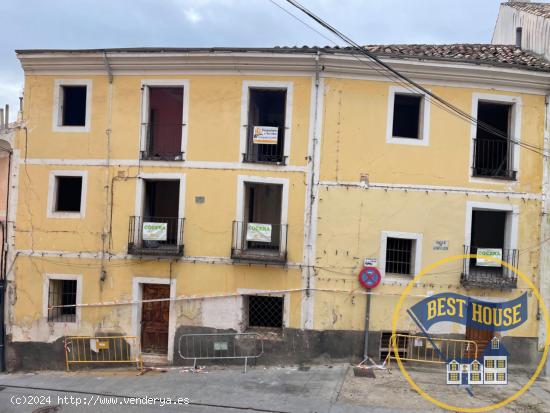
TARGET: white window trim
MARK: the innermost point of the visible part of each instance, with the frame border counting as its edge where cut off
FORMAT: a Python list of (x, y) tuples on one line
[(511, 226), (137, 296), (516, 102), (250, 291), (145, 84), (265, 84), (417, 237), (243, 179), (140, 192), (57, 100), (52, 195), (424, 121), (46, 289)]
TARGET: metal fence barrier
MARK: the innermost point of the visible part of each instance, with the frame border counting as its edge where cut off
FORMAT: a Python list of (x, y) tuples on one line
[(222, 346), (105, 349), (433, 350)]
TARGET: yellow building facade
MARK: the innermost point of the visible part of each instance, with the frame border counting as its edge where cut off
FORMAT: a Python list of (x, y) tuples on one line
[(242, 190)]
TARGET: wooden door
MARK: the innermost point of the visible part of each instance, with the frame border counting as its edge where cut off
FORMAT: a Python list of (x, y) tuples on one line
[(481, 337), (154, 319)]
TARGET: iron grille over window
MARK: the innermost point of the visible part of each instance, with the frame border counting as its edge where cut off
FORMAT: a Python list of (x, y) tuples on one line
[(264, 311), (62, 293), (399, 255)]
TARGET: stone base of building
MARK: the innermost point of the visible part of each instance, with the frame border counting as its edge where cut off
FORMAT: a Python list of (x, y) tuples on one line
[(288, 346)]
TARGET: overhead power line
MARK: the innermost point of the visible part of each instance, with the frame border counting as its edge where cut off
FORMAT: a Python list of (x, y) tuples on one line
[(396, 76)]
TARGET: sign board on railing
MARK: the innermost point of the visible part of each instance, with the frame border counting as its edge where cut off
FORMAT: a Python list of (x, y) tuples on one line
[(265, 135), (258, 232), (155, 231), (481, 261)]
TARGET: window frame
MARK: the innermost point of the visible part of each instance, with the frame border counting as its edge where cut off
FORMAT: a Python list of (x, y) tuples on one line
[(144, 117), (46, 290), (424, 121), (243, 304), (57, 117), (245, 101), (52, 194), (515, 131), (417, 256)]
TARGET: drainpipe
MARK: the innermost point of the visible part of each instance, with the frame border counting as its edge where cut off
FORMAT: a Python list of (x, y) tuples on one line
[(544, 253)]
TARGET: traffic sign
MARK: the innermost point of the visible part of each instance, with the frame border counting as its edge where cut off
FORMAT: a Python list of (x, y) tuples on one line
[(370, 277)]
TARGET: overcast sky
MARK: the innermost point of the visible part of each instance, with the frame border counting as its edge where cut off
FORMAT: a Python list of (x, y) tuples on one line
[(192, 23)]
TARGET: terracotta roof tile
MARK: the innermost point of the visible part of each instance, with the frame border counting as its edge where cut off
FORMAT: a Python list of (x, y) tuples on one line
[(540, 9)]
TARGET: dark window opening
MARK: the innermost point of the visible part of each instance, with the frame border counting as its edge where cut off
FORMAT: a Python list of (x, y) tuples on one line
[(165, 122), (519, 31), (263, 206), (265, 311), (493, 148), (62, 293), (68, 193), (407, 109), (399, 256), (267, 108), (73, 105), (161, 205), (488, 229)]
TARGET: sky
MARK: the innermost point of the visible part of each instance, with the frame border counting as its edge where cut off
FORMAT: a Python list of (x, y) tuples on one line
[(43, 24)]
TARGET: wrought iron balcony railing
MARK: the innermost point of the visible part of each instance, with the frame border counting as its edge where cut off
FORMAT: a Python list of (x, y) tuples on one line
[(264, 153), (493, 159), (160, 236), (486, 274), (259, 242), (162, 142)]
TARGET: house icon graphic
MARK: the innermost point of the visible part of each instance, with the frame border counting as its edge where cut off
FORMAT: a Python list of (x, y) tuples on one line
[(491, 368)]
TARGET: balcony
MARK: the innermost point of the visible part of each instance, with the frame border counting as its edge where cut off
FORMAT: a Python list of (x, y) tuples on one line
[(264, 243), (157, 236), (493, 159), (162, 142), (488, 274), (270, 153)]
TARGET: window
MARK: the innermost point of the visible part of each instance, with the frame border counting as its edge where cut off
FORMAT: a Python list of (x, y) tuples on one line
[(67, 194), (474, 367), (72, 100), (453, 367), (501, 376), (495, 343), (400, 253), (61, 293), (489, 377), (501, 364), (399, 256), (408, 117), (265, 311), (475, 376), (266, 118), (453, 376), (489, 364)]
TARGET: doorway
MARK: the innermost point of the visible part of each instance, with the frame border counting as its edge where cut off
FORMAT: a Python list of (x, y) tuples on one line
[(154, 318), (481, 337)]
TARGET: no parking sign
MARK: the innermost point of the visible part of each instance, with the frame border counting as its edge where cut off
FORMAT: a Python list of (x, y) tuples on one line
[(370, 277)]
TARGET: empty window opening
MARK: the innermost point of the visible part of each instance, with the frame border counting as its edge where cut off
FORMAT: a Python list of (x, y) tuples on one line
[(386, 345), (400, 255), (161, 205), (407, 109), (266, 125), (493, 148), (263, 206), (165, 122), (265, 311), (62, 293), (488, 229), (73, 105), (68, 192)]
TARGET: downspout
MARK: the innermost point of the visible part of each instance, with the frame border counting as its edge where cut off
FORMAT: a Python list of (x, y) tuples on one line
[(3, 275), (544, 253)]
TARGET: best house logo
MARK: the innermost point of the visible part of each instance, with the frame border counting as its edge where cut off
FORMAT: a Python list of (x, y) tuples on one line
[(490, 367)]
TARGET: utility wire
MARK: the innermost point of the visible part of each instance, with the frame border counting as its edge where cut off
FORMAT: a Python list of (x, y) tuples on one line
[(405, 81)]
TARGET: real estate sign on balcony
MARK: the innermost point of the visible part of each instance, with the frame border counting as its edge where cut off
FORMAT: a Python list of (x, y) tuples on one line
[(155, 231), (258, 232), (265, 135), (481, 261)]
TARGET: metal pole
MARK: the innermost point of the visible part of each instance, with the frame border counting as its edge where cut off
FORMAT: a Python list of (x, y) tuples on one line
[(367, 317)]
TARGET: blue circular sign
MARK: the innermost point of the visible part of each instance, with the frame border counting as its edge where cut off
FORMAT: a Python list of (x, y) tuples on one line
[(370, 277)]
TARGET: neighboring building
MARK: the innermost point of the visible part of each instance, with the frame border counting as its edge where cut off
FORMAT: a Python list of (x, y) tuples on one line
[(524, 24), (141, 177)]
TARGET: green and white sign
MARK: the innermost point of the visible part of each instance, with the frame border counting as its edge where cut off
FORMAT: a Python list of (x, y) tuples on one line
[(258, 232), (481, 261), (155, 231)]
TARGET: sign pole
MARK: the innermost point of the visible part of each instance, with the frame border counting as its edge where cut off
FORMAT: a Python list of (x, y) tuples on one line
[(367, 317)]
